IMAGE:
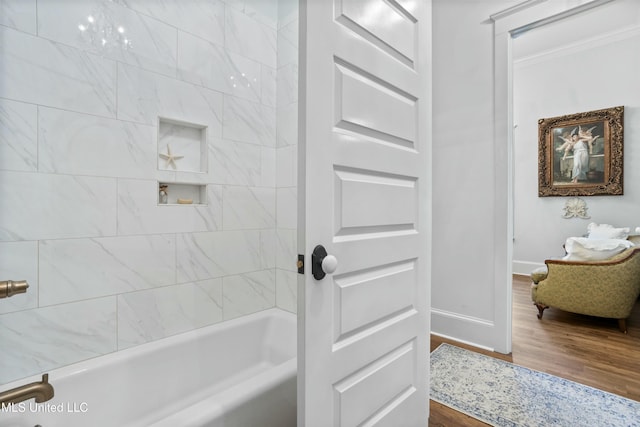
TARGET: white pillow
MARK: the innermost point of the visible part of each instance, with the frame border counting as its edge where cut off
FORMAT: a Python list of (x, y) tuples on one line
[(585, 249), (607, 231)]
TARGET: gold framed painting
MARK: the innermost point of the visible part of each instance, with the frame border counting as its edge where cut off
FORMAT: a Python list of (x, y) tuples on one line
[(581, 154)]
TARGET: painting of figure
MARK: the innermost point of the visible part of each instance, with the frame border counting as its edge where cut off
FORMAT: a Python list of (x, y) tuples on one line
[(581, 154)]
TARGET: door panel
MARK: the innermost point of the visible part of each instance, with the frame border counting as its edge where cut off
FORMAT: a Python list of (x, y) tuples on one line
[(364, 188), (389, 290), (374, 107), (376, 388), (372, 201), (390, 27)]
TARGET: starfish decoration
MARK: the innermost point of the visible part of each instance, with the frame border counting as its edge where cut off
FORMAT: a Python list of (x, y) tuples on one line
[(170, 158)]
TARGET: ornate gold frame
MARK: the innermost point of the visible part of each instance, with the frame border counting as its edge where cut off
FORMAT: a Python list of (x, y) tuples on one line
[(557, 173)]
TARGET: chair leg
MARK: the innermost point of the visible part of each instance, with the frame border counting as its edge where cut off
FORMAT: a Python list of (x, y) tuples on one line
[(541, 309), (622, 324)]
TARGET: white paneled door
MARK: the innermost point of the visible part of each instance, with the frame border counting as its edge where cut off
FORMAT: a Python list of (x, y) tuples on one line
[(365, 190)]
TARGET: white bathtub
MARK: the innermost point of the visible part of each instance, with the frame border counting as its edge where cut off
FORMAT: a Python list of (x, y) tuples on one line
[(239, 373)]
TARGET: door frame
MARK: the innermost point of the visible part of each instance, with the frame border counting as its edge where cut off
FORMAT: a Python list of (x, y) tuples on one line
[(510, 23)]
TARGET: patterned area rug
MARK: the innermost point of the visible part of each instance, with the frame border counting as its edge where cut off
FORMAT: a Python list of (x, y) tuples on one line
[(503, 394)]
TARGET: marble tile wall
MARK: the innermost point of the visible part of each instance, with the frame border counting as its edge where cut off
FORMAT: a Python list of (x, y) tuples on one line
[(286, 154), (108, 267)]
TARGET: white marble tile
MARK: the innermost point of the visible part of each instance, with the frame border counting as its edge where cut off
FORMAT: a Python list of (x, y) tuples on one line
[(158, 313), (144, 96), (265, 12), (246, 121), (286, 250), (245, 76), (78, 269), (248, 293), (82, 144), (286, 160), (172, 176), (205, 19), (235, 4), (287, 208), (288, 44), (38, 340), (268, 248), (248, 208), (287, 84), (111, 30), (140, 213), (287, 125), (235, 163), (210, 65), (19, 261), (202, 256), (269, 86), (48, 206), (19, 14), (42, 72), (287, 290), (268, 170), (192, 178), (246, 36), (18, 136), (287, 12), (202, 62)]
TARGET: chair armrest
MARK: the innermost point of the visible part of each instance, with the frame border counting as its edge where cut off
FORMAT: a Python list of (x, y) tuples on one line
[(616, 259)]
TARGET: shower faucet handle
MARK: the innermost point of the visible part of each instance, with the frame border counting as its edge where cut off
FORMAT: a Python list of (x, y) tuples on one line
[(9, 288)]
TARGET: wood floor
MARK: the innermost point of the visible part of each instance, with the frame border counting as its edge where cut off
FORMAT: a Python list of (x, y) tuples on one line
[(584, 349)]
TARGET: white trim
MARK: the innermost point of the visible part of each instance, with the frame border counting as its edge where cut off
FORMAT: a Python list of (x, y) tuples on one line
[(467, 329), (558, 17), (514, 9), (531, 14), (585, 44), (462, 341), (524, 268), (464, 317)]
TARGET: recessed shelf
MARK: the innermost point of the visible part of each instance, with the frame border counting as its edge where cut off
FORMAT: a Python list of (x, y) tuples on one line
[(182, 146), (182, 194)]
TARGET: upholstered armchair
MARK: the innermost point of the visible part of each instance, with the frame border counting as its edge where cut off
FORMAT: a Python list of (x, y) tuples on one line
[(604, 288)]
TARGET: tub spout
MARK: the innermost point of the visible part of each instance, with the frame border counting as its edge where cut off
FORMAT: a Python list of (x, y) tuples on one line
[(41, 391), (9, 288)]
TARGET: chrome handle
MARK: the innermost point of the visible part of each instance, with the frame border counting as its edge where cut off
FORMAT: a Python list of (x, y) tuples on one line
[(9, 288)]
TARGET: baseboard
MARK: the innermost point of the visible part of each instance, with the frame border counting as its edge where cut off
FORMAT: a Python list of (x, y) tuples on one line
[(524, 268), (462, 341), (466, 329)]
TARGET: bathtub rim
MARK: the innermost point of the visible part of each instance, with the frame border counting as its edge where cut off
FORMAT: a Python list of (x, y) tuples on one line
[(77, 368)]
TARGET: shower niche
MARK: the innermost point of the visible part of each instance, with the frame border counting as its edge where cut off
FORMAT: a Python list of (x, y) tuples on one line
[(177, 193), (182, 147)]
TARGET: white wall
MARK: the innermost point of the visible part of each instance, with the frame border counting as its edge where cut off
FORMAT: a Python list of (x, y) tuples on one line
[(468, 178), (79, 172), (598, 70), (464, 199)]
